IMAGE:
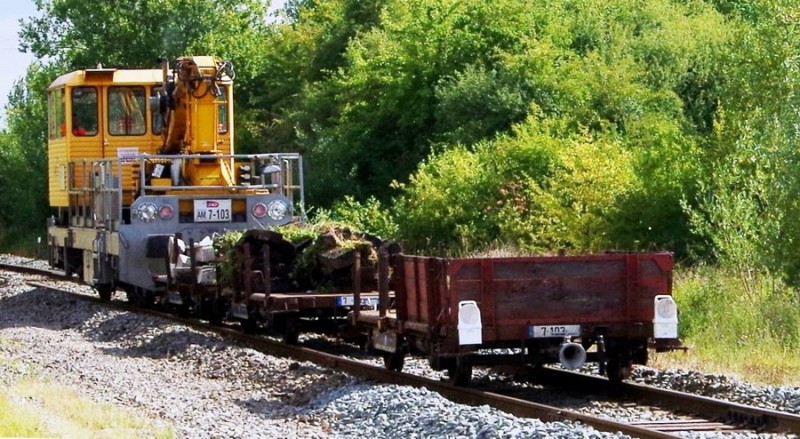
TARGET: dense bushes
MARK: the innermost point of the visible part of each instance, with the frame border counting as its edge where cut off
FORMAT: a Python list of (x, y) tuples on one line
[(544, 126), (743, 322)]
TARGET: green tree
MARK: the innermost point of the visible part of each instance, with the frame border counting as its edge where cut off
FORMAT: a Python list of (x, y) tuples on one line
[(296, 54), (23, 158), (79, 34), (382, 102), (134, 33), (749, 206)]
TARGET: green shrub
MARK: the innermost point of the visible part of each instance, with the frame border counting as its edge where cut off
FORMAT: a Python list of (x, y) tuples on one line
[(369, 216), (723, 309)]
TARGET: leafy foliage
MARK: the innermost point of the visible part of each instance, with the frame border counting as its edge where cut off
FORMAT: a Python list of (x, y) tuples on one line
[(748, 210), (723, 316), (228, 260), (136, 32), (544, 126), (23, 159), (75, 34), (369, 216)]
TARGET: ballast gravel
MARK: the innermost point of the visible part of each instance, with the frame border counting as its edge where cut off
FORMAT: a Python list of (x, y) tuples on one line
[(206, 387)]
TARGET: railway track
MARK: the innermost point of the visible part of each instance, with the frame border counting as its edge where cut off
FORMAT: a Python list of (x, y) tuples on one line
[(725, 415), (704, 414)]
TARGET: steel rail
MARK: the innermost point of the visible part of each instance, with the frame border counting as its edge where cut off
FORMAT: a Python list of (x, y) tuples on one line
[(736, 414)]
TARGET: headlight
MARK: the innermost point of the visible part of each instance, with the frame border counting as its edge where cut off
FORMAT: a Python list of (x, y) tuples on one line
[(147, 212), (277, 210)]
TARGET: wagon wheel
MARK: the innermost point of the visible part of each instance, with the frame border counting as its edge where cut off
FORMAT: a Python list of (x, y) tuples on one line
[(139, 297), (211, 310), (147, 298), (250, 325), (184, 309), (291, 331), (618, 369), (105, 291), (460, 373), (394, 360), (134, 295)]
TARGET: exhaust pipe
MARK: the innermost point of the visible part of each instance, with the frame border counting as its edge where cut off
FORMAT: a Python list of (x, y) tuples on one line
[(571, 355)]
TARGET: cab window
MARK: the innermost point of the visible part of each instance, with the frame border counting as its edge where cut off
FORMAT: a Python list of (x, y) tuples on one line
[(84, 111), (158, 118), (222, 110), (56, 122), (126, 111)]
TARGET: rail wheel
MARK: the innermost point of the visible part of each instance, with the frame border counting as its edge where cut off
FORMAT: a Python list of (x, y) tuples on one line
[(460, 373), (618, 369), (147, 298), (184, 309), (291, 330), (250, 326), (138, 296), (133, 295), (394, 360), (211, 310), (105, 291)]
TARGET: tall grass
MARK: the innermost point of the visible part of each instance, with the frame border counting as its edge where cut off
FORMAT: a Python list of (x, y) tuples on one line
[(742, 323), (16, 421), (37, 408)]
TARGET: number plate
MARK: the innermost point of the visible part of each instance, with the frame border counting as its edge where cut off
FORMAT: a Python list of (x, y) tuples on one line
[(542, 331), (350, 300), (212, 211)]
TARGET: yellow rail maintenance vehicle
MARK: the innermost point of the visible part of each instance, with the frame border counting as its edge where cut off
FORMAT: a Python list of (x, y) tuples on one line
[(137, 158)]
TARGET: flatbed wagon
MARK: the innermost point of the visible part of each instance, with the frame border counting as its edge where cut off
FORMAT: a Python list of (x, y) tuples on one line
[(524, 310), (256, 290)]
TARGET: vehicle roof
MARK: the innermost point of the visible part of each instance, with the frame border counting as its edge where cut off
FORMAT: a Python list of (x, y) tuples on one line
[(101, 76), (108, 76)]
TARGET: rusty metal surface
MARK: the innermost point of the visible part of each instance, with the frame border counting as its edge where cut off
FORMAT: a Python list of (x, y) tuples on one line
[(616, 290)]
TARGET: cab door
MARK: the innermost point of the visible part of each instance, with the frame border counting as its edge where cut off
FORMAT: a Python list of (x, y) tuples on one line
[(82, 131), (125, 127), (127, 131)]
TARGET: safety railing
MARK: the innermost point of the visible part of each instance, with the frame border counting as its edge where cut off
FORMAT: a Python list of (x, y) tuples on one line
[(99, 189), (95, 193)]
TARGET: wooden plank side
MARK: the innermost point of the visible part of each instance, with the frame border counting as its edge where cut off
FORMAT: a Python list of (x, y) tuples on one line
[(399, 284), (544, 268), (423, 289), (437, 297), (560, 290), (654, 277), (513, 293), (410, 282)]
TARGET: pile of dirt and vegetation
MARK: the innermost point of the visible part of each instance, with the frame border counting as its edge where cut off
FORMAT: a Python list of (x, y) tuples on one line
[(303, 257)]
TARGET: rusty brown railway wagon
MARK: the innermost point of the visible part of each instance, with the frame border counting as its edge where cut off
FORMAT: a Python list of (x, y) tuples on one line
[(606, 308)]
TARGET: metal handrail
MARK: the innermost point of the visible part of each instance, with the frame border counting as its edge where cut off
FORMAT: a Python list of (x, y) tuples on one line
[(108, 172)]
